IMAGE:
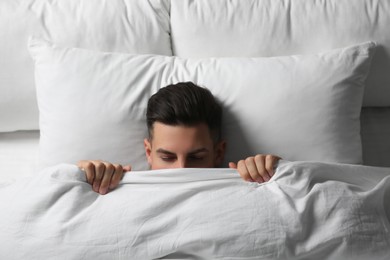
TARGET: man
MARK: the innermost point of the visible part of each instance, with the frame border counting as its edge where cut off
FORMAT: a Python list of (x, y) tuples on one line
[(184, 124)]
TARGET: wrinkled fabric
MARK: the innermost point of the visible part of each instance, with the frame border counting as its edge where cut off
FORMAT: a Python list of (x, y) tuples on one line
[(254, 28), (306, 211), (131, 26), (303, 107)]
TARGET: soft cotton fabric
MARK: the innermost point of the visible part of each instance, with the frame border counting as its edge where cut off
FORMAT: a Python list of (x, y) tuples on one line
[(18, 154), (375, 131), (252, 28), (306, 211), (132, 26), (302, 107), (196, 29), (93, 104)]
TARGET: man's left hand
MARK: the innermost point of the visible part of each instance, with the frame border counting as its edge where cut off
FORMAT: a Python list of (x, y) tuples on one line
[(258, 168)]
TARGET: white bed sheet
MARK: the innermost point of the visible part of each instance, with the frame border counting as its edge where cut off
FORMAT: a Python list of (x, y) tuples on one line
[(18, 154)]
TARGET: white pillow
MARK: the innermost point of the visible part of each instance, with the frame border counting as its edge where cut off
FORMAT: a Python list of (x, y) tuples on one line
[(253, 28), (132, 26), (92, 104)]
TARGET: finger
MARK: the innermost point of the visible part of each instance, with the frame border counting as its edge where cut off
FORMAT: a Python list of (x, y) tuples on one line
[(127, 168), (106, 180), (232, 165), (116, 176), (243, 171), (261, 167), (270, 162), (253, 170), (80, 164), (89, 169), (99, 172)]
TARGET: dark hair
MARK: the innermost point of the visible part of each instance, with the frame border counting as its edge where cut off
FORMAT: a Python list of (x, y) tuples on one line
[(185, 104)]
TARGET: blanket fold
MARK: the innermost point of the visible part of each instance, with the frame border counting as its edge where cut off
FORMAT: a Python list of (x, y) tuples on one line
[(308, 210)]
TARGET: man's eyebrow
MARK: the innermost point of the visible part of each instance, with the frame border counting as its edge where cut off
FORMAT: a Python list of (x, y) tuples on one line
[(160, 150), (200, 150)]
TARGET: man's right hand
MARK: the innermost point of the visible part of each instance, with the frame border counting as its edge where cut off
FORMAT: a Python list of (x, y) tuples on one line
[(103, 176)]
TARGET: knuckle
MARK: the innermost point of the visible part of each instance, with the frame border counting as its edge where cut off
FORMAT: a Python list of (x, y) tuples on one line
[(249, 160), (261, 156), (100, 166), (118, 167), (88, 165), (109, 167), (258, 157), (270, 157), (258, 161), (240, 163), (117, 175)]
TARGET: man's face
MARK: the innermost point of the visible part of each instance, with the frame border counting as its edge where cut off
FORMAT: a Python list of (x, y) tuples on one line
[(183, 147)]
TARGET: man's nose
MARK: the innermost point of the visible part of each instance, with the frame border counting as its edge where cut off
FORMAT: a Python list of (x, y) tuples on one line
[(181, 163)]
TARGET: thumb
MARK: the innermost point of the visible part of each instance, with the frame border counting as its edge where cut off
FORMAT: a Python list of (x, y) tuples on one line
[(127, 168), (232, 165)]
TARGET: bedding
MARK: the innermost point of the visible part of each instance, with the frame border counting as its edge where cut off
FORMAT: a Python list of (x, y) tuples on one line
[(132, 26), (18, 155), (307, 210), (196, 28), (92, 104), (19, 150), (375, 131), (264, 28)]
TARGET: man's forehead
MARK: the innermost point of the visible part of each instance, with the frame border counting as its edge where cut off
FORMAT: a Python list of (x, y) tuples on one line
[(162, 129)]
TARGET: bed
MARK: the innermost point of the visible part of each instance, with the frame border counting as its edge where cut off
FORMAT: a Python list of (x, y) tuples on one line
[(306, 80)]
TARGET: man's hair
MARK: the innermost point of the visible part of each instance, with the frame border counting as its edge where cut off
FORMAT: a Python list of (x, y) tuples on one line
[(185, 104)]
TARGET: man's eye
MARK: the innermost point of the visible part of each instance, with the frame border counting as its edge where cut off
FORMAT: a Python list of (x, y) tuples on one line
[(196, 158), (168, 159)]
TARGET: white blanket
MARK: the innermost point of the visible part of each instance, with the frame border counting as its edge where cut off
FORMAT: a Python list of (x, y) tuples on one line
[(307, 211)]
